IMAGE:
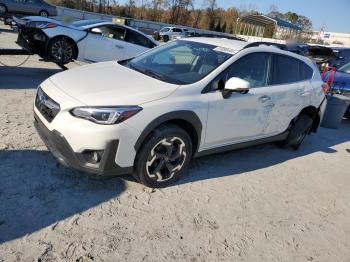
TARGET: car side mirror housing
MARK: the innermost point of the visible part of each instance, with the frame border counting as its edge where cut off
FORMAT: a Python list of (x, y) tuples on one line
[(235, 85), (97, 31)]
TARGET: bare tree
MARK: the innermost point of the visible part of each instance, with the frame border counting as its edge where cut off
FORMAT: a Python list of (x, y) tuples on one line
[(211, 12)]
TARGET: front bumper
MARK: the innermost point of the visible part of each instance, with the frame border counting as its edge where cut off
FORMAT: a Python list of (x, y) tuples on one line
[(62, 151), (33, 40)]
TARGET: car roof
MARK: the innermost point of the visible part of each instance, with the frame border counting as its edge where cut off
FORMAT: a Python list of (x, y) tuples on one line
[(240, 45), (220, 42)]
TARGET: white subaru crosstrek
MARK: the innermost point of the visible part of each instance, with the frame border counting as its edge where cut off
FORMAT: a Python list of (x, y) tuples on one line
[(150, 115)]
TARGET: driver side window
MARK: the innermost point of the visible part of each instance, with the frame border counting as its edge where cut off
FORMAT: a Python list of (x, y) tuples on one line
[(253, 68)]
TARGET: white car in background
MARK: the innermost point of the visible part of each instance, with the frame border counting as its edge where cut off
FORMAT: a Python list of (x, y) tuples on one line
[(171, 33), (150, 115), (85, 40)]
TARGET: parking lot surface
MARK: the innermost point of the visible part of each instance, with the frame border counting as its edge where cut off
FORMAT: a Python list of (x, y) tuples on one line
[(259, 204)]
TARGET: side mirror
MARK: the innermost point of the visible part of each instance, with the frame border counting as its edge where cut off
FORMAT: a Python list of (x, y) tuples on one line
[(96, 31), (235, 85)]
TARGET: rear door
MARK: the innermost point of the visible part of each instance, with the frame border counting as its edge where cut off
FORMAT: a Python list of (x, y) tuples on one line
[(106, 45), (17, 6), (291, 90), (33, 6), (136, 44)]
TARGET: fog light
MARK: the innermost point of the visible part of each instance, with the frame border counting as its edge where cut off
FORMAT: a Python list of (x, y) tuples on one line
[(92, 156), (96, 157)]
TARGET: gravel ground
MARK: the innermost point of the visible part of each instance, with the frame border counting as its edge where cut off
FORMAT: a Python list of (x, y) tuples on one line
[(258, 204)]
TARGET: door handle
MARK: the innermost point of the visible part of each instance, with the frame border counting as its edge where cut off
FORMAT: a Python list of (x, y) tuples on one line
[(119, 46), (264, 99)]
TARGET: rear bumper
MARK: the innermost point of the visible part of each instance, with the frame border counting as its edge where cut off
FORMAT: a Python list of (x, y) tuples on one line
[(62, 151)]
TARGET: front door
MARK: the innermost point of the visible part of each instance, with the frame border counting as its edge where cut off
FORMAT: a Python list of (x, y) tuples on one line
[(241, 117), (105, 43)]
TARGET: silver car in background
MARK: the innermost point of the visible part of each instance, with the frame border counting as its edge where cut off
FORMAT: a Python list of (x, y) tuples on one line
[(27, 7), (171, 33)]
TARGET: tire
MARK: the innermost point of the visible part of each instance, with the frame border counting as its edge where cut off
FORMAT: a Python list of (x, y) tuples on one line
[(156, 36), (164, 157), (44, 13), (3, 9), (347, 115), (62, 50), (298, 132), (165, 38)]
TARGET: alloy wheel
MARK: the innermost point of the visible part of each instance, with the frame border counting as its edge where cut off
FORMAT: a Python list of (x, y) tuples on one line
[(62, 51), (166, 159)]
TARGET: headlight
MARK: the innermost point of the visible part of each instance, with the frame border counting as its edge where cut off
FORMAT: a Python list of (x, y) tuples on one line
[(106, 115)]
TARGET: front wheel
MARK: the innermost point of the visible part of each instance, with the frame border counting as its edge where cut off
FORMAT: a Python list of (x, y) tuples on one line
[(164, 157), (298, 132), (61, 50)]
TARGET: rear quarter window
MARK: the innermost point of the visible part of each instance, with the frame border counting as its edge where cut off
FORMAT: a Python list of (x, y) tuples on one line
[(287, 70), (305, 71)]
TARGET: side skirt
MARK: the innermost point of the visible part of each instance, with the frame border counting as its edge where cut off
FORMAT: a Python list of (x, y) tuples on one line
[(276, 138)]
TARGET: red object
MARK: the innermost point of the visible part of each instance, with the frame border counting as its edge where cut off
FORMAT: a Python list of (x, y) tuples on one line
[(329, 80)]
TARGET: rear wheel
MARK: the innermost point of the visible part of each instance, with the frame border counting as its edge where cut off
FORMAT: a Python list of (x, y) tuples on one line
[(298, 132), (164, 156), (62, 50), (44, 13), (3, 9)]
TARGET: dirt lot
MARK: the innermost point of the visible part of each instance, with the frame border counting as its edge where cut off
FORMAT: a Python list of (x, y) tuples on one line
[(258, 204)]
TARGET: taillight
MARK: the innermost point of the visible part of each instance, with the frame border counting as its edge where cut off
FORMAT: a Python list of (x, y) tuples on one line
[(51, 25), (326, 88)]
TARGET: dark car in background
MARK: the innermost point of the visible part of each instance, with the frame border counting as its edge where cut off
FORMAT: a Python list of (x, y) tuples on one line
[(342, 57), (27, 7), (321, 55), (341, 84)]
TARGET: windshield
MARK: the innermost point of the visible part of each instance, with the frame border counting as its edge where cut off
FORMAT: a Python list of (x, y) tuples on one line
[(180, 62), (165, 29), (345, 68)]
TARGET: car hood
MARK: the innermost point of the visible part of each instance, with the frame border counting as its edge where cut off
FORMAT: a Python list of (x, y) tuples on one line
[(109, 83)]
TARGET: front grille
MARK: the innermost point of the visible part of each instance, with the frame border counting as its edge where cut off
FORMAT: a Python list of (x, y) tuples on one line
[(46, 106)]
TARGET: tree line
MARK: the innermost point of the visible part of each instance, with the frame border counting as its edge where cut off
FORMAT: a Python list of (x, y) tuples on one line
[(183, 12)]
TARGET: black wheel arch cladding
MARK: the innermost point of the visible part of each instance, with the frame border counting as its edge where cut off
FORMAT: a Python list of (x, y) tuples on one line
[(182, 115)]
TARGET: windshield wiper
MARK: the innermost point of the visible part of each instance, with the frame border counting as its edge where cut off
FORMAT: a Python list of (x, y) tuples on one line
[(155, 75)]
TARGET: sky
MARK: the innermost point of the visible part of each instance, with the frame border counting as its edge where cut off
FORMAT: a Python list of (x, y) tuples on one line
[(332, 15)]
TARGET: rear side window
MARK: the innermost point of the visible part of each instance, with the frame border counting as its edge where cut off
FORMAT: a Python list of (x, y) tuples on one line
[(289, 70), (138, 39), (305, 72)]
